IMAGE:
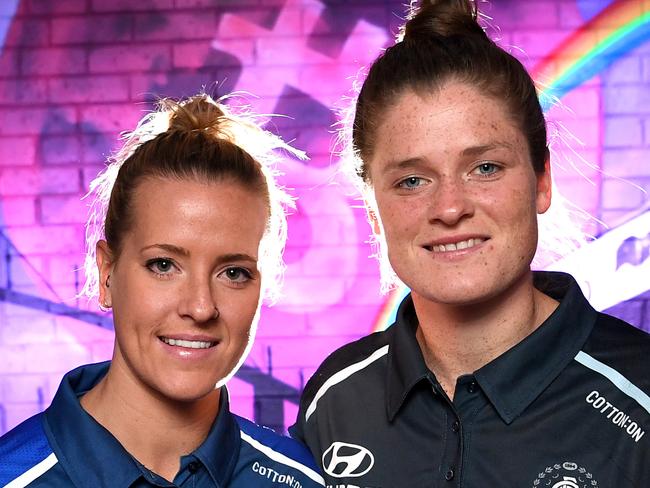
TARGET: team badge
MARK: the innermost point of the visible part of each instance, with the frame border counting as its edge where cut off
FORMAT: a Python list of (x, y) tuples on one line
[(565, 475)]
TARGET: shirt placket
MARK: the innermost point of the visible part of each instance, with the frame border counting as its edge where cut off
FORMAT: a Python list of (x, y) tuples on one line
[(468, 400)]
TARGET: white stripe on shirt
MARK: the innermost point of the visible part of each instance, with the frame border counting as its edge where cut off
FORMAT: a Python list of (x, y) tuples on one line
[(282, 458), (620, 381), (342, 375), (34, 472)]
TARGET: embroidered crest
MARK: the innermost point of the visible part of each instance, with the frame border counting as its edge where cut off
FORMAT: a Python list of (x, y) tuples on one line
[(565, 475)]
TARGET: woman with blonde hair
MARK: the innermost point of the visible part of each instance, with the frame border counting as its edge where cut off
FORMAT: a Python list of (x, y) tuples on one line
[(185, 236)]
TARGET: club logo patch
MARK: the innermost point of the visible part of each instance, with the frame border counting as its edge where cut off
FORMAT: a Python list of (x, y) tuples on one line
[(565, 475), (342, 460)]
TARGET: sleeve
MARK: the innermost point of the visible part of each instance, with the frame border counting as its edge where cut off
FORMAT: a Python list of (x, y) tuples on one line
[(267, 458)]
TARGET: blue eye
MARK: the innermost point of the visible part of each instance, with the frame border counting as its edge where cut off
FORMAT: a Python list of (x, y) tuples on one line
[(411, 182), (487, 169)]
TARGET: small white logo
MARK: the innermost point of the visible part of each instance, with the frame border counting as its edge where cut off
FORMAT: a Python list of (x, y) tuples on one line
[(565, 475), (342, 460), (567, 482)]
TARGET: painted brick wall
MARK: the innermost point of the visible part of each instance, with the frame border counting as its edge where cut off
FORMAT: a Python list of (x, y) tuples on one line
[(74, 73)]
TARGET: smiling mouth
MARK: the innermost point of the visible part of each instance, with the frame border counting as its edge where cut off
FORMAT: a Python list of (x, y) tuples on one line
[(456, 246), (188, 344)]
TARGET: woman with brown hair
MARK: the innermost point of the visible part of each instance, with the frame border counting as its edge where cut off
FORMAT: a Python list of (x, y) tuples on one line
[(185, 236), (492, 375)]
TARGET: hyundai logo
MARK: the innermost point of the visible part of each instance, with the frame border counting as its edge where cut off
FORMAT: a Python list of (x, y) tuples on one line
[(342, 460)]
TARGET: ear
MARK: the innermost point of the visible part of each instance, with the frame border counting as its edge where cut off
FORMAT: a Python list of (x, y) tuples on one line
[(105, 265), (544, 186)]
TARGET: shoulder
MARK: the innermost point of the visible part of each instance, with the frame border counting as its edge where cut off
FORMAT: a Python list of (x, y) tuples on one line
[(358, 358), (612, 328), (619, 343), (279, 459), (269, 443), (621, 346), (359, 366), (616, 353), (25, 453)]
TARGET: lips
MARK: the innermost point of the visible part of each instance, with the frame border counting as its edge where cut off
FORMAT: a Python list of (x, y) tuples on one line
[(189, 344), (458, 245)]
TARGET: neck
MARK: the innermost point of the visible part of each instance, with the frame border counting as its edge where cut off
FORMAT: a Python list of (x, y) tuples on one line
[(154, 430), (459, 339)]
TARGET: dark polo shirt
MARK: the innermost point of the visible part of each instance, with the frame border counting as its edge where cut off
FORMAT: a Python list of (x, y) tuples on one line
[(567, 407), (66, 447)]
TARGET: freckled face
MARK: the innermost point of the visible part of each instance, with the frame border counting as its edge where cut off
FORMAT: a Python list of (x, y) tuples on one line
[(457, 195), (185, 288)]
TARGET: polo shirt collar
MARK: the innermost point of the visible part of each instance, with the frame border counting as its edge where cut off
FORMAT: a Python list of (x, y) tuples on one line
[(91, 456), (517, 377), (406, 366), (220, 450)]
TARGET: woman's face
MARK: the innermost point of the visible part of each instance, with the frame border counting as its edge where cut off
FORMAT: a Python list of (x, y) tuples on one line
[(457, 194), (185, 287)]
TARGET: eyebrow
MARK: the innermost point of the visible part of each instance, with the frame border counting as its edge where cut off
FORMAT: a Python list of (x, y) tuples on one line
[(406, 163), (478, 150), (236, 257), (169, 248), (469, 151), (184, 252)]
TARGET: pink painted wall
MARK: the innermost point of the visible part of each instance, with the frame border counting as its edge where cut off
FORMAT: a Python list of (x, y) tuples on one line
[(74, 73)]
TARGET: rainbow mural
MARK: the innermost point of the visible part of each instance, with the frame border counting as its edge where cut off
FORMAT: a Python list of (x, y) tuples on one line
[(619, 28), (616, 30)]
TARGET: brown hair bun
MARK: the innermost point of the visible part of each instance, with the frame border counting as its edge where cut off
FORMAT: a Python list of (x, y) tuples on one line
[(197, 114), (443, 18)]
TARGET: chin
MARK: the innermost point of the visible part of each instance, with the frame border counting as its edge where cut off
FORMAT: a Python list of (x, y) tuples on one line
[(189, 395), (454, 299), (186, 389), (460, 294)]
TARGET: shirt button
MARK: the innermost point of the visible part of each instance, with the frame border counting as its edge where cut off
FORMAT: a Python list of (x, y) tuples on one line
[(455, 426), (193, 467), (471, 386), (449, 475)]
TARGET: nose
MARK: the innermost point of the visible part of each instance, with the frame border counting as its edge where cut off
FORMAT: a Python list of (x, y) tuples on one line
[(199, 300), (451, 202)]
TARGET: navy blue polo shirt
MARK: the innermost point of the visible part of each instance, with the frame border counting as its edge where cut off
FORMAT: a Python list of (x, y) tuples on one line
[(567, 407), (64, 446)]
